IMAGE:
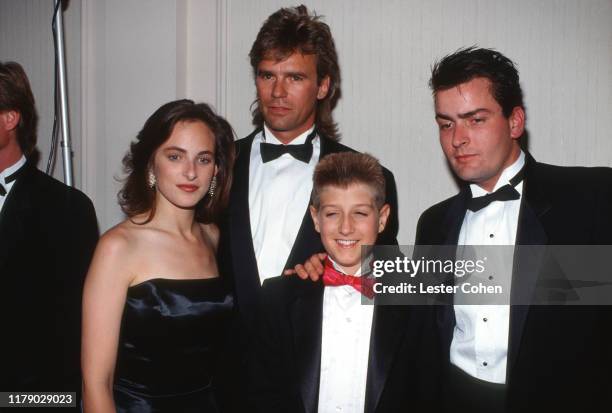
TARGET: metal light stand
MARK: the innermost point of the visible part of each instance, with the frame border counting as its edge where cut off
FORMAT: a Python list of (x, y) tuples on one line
[(61, 71)]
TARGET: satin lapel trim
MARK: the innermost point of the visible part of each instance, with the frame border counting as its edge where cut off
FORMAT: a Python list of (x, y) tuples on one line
[(451, 227), (527, 262), (244, 262), (326, 146), (388, 330), (14, 216), (307, 242), (307, 321), (454, 217)]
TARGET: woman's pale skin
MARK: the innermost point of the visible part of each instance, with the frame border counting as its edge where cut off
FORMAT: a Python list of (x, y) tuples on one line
[(172, 245)]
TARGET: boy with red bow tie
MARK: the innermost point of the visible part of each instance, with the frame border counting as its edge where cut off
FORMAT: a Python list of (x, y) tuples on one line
[(322, 346)]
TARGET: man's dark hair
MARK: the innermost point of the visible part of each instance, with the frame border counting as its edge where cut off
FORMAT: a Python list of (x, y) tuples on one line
[(294, 30), (16, 94), (472, 62), (136, 197)]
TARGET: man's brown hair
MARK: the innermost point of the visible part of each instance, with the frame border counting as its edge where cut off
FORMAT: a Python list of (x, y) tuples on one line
[(294, 30), (16, 94), (343, 169)]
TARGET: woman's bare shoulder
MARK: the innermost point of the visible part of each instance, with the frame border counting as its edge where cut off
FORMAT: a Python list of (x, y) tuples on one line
[(116, 251), (119, 238)]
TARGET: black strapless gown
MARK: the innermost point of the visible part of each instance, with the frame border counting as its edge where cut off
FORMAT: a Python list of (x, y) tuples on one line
[(171, 334)]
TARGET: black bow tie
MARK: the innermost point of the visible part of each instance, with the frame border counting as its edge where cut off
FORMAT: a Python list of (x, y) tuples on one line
[(507, 192), (302, 152), (10, 179)]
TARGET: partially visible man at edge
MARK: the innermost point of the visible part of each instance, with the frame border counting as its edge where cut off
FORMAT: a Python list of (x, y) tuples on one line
[(48, 232)]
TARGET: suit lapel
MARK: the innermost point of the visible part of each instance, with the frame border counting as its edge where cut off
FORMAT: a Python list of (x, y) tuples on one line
[(307, 321), (388, 330), (527, 261), (244, 263), (454, 217), (307, 242), (14, 216), (450, 228)]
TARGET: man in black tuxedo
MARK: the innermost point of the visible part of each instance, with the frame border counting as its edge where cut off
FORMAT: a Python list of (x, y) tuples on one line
[(324, 346), (269, 229), (515, 358), (48, 232)]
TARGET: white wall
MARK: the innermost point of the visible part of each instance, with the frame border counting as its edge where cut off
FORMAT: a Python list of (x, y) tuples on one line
[(129, 69), (26, 37), (138, 54)]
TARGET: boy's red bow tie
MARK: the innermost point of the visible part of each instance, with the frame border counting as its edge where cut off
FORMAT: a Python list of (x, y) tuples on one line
[(334, 278)]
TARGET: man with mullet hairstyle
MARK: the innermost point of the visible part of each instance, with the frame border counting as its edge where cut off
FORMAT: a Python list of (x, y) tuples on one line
[(269, 228)]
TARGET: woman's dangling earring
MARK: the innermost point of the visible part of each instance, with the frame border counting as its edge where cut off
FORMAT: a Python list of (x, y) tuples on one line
[(212, 187), (151, 180)]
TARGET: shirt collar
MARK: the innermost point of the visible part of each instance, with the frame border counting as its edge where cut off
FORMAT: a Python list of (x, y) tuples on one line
[(13, 168), (338, 268), (269, 137), (504, 178)]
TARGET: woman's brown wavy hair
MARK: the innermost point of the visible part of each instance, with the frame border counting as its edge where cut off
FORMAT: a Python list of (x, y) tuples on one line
[(136, 197)]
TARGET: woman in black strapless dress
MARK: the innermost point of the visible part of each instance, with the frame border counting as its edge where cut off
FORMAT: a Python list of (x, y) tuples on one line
[(155, 311), (171, 335)]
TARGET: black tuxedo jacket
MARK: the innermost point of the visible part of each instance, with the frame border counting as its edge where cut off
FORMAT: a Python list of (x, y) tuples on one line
[(286, 359), (237, 256), (558, 356), (48, 232)]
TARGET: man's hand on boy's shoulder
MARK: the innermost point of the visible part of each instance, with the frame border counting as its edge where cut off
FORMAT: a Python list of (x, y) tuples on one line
[(313, 268)]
